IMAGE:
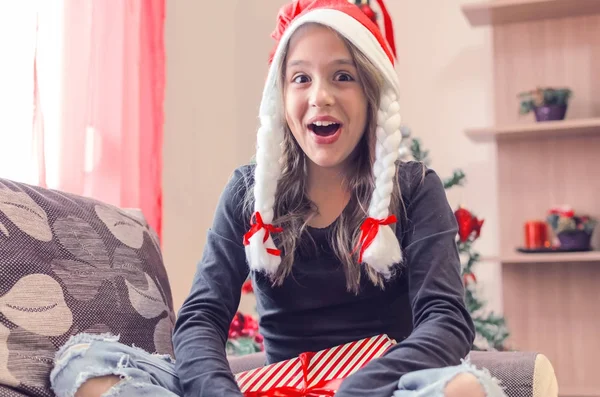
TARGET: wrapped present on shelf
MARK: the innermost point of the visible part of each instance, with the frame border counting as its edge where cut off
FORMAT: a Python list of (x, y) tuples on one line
[(312, 374)]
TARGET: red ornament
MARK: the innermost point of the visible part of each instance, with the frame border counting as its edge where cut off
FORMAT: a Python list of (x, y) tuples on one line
[(464, 220), (250, 326), (236, 326), (243, 325), (469, 276), (467, 225), (565, 211), (477, 223), (247, 287)]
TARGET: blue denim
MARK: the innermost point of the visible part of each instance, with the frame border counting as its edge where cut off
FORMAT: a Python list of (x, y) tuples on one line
[(86, 356), (432, 382)]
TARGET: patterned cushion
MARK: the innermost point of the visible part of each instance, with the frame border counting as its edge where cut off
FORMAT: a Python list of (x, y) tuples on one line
[(70, 264)]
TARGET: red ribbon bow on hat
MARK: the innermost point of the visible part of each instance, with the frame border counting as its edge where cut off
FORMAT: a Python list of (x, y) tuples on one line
[(256, 226), (369, 230), (323, 388)]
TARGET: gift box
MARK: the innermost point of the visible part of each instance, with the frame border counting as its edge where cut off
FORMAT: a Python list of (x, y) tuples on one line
[(312, 374)]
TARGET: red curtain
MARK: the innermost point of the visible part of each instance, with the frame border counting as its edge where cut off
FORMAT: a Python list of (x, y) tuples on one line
[(108, 134)]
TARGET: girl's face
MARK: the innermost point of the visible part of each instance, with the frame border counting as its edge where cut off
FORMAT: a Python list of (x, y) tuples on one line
[(325, 105)]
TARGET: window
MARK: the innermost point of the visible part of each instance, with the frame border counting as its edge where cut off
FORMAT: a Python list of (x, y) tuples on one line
[(30, 30)]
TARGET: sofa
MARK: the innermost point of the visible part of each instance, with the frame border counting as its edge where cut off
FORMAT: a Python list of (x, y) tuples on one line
[(71, 264)]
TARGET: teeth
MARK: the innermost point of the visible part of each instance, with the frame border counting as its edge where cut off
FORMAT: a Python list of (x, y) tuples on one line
[(323, 123)]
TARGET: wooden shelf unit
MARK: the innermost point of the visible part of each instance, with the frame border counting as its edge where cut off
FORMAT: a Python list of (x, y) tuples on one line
[(499, 12), (547, 129), (550, 301), (563, 257)]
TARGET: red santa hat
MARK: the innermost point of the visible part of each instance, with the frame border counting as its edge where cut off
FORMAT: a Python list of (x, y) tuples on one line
[(378, 246)]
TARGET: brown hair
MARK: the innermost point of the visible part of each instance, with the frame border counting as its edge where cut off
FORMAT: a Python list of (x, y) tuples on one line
[(293, 209)]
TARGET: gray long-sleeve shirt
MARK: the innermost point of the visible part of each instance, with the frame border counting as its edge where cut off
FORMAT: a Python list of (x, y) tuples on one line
[(422, 308)]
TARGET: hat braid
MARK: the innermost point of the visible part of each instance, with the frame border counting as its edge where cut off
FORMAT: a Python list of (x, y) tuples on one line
[(261, 253), (267, 173), (380, 246), (387, 149)]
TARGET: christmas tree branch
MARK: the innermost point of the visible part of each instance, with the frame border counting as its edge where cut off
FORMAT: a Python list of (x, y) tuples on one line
[(489, 326), (457, 179), (418, 153)]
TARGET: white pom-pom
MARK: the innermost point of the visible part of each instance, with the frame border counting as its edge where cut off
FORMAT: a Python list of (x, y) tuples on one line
[(384, 251), (257, 253)]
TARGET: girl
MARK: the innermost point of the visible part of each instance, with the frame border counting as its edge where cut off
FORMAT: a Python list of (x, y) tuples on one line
[(341, 240)]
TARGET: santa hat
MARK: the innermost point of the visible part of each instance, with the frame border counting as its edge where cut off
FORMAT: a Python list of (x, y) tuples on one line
[(378, 246)]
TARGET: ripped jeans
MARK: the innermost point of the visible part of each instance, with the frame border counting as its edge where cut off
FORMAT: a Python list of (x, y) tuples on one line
[(86, 356)]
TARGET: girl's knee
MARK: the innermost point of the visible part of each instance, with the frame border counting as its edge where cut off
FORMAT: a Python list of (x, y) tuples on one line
[(98, 386), (470, 381), (464, 380), (464, 385), (82, 367)]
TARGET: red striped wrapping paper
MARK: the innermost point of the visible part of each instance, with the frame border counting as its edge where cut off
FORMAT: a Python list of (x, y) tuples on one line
[(335, 363)]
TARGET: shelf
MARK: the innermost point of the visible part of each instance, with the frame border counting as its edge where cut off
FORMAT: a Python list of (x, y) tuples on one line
[(578, 392), (566, 257), (498, 12), (563, 128)]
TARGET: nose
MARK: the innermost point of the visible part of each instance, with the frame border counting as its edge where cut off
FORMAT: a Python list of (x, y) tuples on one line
[(321, 94)]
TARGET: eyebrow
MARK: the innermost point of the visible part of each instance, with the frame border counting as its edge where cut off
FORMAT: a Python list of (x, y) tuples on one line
[(341, 61)]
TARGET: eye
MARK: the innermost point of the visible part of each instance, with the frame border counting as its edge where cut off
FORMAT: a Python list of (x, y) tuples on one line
[(343, 76), (300, 78)]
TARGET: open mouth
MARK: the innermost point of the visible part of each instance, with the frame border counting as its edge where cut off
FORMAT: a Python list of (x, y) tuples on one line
[(324, 128)]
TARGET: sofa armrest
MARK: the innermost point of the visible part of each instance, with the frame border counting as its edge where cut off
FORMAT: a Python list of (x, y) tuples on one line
[(520, 373), (246, 362), (6, 391)]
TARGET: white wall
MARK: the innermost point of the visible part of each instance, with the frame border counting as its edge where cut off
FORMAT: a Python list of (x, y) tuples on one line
[(216, 63), (216, 59), (445, 68)]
